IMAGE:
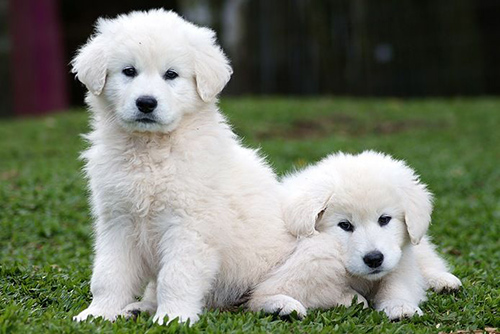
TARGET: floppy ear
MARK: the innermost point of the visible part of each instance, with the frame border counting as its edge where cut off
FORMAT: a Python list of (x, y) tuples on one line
[(418, 210), (302, 211), (90, 64), (212, 68)]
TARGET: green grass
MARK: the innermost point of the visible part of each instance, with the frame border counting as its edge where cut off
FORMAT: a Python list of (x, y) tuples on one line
[(45, 227)]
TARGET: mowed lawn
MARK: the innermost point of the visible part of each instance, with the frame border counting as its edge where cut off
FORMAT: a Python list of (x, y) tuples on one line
[(46, 235)]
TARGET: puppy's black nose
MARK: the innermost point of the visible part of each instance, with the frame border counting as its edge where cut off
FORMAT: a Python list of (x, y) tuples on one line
[(146, 104), (373, 259)]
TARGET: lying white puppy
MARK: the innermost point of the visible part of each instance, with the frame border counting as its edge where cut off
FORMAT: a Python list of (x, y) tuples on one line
[(178, 201), (365, 217)]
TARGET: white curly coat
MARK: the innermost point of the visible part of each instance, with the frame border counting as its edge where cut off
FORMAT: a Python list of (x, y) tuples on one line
[(178, 202), (185, 216), (328, 267)]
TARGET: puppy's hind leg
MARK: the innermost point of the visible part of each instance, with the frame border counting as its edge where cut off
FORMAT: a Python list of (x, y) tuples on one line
[(434, 268), (148, 303), (312, 277)]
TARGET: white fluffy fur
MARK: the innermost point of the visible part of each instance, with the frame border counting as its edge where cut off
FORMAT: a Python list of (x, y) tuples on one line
[(179, 203), (327, 267)]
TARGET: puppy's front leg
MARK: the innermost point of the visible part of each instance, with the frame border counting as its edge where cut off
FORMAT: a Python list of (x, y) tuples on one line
[(434, 268), (312, 277), (117, 273), (188, 269), (401, 291)]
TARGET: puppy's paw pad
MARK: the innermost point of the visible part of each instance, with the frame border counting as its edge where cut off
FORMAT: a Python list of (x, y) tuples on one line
[(133, 310), (398, 309), (283, 306), (445, 282), (133, 314)]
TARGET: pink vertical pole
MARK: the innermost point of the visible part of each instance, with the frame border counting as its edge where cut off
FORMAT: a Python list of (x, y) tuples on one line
[(38, 68)]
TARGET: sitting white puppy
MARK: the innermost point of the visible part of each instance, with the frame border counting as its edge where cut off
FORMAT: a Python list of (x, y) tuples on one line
[(365, 217), (178, 201)]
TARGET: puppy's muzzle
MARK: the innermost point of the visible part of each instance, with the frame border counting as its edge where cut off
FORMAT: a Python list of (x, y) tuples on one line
[(146, 104), (373, 259)]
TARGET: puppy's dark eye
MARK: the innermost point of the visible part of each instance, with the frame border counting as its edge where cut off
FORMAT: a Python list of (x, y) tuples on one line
[(129, 71), (346, 226), (170, 75), (384, 220)]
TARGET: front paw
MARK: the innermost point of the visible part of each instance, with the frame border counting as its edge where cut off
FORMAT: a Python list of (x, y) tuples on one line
[(159, 317), (348, 300), (133, 310), (398, 308), (95, 312), (280, 304), (444, 282)]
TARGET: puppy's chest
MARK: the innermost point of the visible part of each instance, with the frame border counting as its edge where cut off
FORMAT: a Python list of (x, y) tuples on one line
[(148, 184), (143, 184)]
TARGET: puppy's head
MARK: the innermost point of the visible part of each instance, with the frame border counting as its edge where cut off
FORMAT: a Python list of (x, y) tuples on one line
[(373, 204), (148, 69)]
